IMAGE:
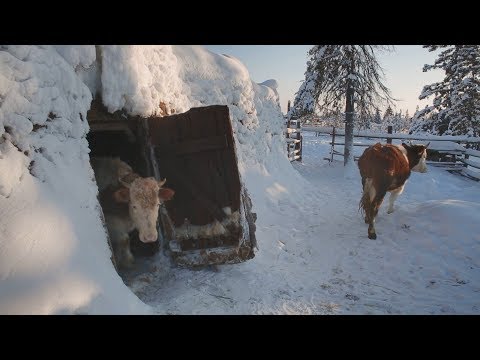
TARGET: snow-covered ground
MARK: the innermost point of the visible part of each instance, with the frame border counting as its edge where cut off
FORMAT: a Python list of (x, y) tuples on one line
[(315, 257)]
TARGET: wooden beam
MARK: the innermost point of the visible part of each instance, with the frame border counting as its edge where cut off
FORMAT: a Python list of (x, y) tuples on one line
[(113, 126), (389, 130), (470, 163)]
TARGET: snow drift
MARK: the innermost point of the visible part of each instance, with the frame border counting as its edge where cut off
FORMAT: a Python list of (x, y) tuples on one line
[(54, 256)]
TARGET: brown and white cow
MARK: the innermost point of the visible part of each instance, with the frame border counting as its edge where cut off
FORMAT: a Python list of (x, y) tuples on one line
[(129, 202), (386, 167)]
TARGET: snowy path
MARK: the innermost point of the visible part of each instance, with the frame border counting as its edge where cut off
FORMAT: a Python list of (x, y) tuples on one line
[(315, 257)]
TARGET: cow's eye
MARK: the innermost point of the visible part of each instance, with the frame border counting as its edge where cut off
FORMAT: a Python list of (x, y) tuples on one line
[(134, 207)]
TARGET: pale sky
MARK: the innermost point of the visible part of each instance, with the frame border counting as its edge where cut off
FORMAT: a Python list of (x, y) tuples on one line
[(287, 65)]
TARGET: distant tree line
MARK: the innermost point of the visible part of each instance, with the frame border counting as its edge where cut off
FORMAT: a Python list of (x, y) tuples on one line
[(400, 121)]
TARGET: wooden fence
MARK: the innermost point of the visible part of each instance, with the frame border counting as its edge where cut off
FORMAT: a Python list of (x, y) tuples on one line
[(453, 153), (294, 140)]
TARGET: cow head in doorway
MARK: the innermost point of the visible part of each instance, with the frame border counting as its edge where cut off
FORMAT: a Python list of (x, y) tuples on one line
[(129, 202), (144, 197)]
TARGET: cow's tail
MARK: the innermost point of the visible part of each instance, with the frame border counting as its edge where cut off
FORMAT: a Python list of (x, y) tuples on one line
[(364, 203)]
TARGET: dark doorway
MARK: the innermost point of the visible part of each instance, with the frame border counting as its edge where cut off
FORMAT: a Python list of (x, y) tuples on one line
[(117, 135)]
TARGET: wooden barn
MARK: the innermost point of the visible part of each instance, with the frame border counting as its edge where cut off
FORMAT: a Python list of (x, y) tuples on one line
[(209, 221)]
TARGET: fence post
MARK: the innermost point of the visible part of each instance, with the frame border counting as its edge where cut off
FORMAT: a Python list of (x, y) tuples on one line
[(466, 156), (333, 142), (389, 130), (286, 137), (298, 146)]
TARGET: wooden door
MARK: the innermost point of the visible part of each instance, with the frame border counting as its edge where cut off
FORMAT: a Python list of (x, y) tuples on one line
[(195, 152)]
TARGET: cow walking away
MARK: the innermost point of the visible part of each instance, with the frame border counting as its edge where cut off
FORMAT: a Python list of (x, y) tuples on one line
[(129, 202), (386, 167)]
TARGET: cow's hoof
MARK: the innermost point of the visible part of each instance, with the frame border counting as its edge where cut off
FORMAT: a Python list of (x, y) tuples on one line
[(389, 211), (372, 236)]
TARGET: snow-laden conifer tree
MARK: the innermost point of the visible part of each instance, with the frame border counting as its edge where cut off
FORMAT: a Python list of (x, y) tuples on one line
[(456, 103), (378, 117), (342, 77)]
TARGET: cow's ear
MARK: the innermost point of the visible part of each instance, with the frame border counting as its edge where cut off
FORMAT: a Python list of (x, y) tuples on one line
[(122, 195), (166, 194)]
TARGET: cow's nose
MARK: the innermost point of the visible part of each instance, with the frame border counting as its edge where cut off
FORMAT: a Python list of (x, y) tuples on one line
[(151, 237)]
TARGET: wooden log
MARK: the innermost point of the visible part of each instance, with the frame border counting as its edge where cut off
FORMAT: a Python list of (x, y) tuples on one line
[(389, 130), (333, 143), (470, 163)]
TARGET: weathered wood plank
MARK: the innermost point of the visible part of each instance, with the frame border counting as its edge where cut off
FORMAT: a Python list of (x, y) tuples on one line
[(354, 144), (442, 163), (214, 177), (199, 127), (196, 191), (472, 152), (200, 145), (219, 255), (475, 175), (232, 163), (470, 163), (400, 136), (196, 153)]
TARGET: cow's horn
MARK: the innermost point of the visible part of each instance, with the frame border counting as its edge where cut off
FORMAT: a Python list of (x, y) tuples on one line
[(161, 182), (128, 179), (426, 146)]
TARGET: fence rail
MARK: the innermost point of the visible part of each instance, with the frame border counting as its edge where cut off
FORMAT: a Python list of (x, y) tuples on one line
[(399, 136), (449, 151)]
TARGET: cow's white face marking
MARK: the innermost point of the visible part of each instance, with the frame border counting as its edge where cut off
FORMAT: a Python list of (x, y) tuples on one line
[(422, 165), (144, 204)]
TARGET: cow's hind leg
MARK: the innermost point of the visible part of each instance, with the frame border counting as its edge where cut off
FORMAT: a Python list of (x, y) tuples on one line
[(367, 197), (377, 201), (393, 196), (371, 221), (365, 201), (368, 204), (371, 230)]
